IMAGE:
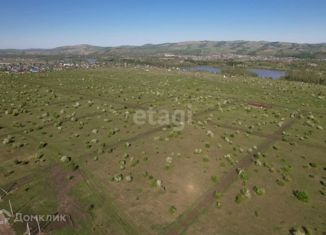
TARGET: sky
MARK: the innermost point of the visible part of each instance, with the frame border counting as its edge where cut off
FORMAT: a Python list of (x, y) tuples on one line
[(52, 23)]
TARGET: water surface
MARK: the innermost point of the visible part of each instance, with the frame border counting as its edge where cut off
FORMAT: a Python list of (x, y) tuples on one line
[(203, 68), (268, 73)]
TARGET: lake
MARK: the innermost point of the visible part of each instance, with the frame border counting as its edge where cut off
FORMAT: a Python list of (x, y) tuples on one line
[(268, 73), (262, 73), (209, 69)]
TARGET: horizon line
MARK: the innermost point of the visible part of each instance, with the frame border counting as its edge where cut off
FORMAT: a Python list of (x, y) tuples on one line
[(149, 43)]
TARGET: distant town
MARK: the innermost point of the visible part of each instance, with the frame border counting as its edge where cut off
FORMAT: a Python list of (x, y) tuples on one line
[(16, 64), (25, 65)]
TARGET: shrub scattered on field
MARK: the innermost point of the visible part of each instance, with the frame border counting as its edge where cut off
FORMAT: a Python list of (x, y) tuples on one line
[(206, 158), (158, 183), (90, 103), (128, 178), (301, 195), (76, 105), (258, 155), (312, 164), (65, 158), (300, 231), (39, 155), (100, 151), (153, 182), (169, 160), (218, 204), (122, 164), (214, 178), (210, 133), (258, 162), (242, 174), (42, 145), (280, 182), (172, 210), (286, 177), (259, 190), (229, 158), (17, 162), (217, 195), (8, 140), (117, 178), (227, 140), (70, 177), (134, 162), (243, 195)]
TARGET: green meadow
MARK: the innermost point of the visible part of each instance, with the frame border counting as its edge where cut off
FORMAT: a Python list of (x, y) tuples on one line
[(250, 159)]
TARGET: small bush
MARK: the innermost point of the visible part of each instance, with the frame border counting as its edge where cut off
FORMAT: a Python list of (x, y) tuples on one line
[(214, 178), (242, 195), (301, 195), (42, 145), (172, 210), (312, 164), (259, 190), (243, 175), (280, 182)]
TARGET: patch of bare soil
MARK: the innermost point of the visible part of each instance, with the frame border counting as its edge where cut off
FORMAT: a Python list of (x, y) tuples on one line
[(63, 181), (5, 227)]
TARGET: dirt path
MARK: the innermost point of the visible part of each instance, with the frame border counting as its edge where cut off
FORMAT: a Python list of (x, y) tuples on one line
[(66, 204), (206, 200)]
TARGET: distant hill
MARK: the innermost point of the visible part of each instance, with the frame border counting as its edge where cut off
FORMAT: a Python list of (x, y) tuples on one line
[(202, 48), (82, 49)]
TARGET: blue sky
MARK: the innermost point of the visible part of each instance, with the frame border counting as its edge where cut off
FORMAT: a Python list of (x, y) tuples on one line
[(51, 23)]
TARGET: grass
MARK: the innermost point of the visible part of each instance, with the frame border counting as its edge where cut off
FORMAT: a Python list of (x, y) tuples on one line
[(127, 179)]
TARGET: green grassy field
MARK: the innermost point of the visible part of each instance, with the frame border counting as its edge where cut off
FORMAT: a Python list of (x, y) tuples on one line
[(252, 160)]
